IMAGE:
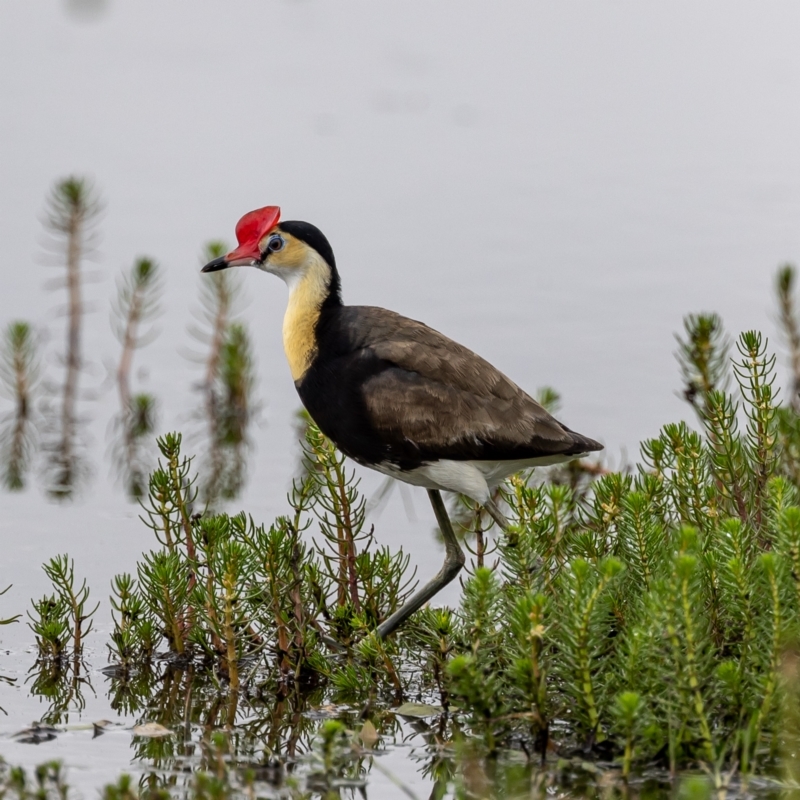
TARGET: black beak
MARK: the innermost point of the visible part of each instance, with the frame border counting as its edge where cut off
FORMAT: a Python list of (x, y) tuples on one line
[(216, 264)]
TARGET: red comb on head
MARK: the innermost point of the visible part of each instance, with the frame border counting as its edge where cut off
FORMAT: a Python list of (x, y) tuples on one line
[(250, 230), (253, 225)]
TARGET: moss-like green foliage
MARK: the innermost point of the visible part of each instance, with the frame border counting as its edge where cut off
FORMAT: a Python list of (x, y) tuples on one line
[(640, 617)]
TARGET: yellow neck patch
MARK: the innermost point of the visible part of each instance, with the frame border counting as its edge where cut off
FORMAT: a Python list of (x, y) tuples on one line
[(306, 296)]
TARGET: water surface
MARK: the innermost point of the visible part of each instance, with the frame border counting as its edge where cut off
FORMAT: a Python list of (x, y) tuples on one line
[(554, 185)]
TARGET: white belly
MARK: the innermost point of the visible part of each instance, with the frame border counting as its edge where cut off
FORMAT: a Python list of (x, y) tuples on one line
[(475, 479)]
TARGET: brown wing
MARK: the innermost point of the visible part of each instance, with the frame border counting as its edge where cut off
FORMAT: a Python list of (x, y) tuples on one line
[(444, 399)]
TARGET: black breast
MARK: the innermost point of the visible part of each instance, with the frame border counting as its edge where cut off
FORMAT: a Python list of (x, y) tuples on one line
[(332, 390)]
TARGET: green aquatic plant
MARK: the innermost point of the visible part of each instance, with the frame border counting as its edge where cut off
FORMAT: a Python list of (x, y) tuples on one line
[(134, 637), (641, 620), (62, 621), (703, 358), (642, 617), (650, 616), (228, 591), (50, 624), (221, 598), (369, 582), (48, 781)]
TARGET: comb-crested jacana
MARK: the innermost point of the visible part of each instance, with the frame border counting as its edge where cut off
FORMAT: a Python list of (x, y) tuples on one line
[(394, 394)]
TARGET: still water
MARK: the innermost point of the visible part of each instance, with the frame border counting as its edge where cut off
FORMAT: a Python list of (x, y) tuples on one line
[(554, 185)]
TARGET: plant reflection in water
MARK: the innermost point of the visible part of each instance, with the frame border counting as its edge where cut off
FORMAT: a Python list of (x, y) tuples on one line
[(19, 374), (51, 423), (137, 301), (227, 386), (71, 214), (300, 743)]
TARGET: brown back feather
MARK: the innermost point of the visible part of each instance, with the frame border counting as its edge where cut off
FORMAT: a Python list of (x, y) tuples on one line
[(440, 396)]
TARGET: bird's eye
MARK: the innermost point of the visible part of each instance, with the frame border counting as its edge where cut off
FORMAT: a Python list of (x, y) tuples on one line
[(274, 244)]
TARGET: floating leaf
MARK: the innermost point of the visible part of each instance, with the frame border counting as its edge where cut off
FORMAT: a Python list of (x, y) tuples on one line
[(368, 735), (152, 730), (419, 710)]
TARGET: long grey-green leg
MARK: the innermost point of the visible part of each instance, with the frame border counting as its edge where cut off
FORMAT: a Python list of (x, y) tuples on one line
[(453, 561)]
